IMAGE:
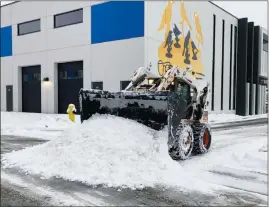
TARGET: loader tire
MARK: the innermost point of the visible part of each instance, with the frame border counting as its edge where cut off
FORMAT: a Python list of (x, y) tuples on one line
[(202, 138), (183, 143)]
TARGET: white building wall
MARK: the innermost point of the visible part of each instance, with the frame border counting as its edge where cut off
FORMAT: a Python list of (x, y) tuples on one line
[(71, 43), (155, 40), (6, 78), (112, 67), (6, 16), (264, 56), (264, 63), (263, 71)]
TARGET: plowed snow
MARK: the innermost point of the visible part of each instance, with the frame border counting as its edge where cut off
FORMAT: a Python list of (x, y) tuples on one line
[(110, 151)]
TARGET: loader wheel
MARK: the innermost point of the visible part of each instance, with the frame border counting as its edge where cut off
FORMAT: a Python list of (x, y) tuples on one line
[(202, 138), (183, 143)]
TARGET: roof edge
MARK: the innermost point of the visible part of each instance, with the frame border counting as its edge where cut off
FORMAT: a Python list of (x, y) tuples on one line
[(14, 2), (223, 9)]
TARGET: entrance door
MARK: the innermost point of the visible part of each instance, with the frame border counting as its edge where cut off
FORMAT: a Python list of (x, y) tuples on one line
[(70, 81), (31, 89), (9, 98)]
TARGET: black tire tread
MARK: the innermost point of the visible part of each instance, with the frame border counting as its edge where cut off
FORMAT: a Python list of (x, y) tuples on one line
[(197, 127), (174, 151)]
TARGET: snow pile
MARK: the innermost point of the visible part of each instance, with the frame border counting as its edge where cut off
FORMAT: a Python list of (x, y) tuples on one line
[(223, 118), (34, 124), (107, 150), (263, 149), (49, 126)]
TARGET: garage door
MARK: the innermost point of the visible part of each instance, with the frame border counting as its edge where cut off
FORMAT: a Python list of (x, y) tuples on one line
[(70, 81), (31, 89)]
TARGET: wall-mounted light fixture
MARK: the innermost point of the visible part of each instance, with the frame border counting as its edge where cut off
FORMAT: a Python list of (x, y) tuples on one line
[(46, 79)]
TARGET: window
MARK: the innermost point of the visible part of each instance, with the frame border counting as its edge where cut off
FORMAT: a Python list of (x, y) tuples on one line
[(231, 60), (222, 63), (235, 65), (265, 45), (29, 27), (68, 18), (25, 77), (213, 62), (78, 74), (31, 77), (97, 85), (265, 42), (124, 84)]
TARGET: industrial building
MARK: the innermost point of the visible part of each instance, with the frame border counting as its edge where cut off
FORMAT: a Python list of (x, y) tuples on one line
[(51, 49)]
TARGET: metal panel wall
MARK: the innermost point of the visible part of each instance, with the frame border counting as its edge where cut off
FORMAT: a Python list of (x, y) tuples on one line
[(241, 93)]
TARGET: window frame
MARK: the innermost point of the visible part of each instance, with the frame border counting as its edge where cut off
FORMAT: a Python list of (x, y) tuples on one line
[(18, 27), (97, 82), (63, 13)]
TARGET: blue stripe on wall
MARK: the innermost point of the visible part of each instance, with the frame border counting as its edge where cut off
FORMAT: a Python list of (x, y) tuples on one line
[(6, 41), (117, 20)]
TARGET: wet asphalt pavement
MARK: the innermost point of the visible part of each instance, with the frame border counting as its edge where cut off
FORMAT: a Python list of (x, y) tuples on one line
[(74, 193), (13, 195)]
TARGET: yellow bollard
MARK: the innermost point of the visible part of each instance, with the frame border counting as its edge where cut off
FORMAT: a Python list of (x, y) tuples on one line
[(70, 110)]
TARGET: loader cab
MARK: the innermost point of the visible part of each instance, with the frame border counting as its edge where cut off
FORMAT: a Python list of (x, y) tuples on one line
[(182, 88)]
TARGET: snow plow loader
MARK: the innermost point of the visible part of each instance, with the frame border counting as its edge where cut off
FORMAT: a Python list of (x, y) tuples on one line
[(178, 100)]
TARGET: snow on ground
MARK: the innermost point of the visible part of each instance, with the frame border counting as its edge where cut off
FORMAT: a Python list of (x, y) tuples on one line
[(50, 126), (122, 153), (46, 126), (106, 150), (235, 160)]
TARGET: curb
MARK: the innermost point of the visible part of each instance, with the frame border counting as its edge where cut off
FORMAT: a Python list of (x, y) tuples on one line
[(239, 123)]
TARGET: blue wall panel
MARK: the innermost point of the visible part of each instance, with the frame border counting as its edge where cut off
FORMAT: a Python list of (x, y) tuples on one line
[(117, 20), (6, 41)]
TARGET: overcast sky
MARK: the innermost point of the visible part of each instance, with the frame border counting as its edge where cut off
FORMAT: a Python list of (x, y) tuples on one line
[(256, 11)]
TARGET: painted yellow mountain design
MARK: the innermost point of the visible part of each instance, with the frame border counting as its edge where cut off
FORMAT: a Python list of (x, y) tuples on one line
[(178, 47)]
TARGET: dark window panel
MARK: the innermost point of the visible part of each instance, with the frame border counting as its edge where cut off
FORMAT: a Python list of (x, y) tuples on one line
[(124, 84), (71, 74), (68, 18), (36, 76), (29, 27), (25, 78), (97, 85)]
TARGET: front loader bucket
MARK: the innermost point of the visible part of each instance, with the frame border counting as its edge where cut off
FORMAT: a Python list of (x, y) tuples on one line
[(153, 109)]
